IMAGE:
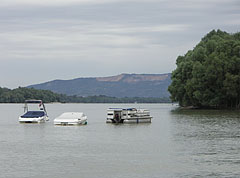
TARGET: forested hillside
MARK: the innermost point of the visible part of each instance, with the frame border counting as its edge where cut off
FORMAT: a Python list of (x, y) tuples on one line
[(209, 75), (20, 94), (123, 85)]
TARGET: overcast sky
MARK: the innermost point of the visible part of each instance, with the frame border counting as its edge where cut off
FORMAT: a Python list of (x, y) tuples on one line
[(42, 40)]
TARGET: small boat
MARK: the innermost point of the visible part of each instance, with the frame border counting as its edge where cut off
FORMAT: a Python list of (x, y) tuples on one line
[(130, 115), (71, 118), (34, 116)]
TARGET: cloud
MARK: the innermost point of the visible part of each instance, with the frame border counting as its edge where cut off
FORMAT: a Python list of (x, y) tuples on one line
[(65, 2), (62, 38), (75, 36), (143, 29)]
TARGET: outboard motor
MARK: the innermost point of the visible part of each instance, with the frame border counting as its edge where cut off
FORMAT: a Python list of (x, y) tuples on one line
[(117, 118)]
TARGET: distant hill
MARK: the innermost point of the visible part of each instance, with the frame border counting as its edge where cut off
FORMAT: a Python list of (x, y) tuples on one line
[(123, 85)]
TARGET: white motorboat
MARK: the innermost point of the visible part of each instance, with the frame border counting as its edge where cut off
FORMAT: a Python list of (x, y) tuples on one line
[(130, 115), (71, 118), (34, 116)]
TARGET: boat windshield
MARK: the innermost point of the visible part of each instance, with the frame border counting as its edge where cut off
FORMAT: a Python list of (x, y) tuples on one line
[(31, 114)]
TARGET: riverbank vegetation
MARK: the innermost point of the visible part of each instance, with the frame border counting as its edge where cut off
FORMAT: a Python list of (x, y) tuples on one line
[(19, 95), (209, 75)]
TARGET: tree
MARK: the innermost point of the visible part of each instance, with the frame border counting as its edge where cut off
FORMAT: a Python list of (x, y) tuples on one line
[(209, 75)]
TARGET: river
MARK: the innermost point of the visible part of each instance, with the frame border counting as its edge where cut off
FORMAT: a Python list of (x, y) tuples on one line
[(178, 143)]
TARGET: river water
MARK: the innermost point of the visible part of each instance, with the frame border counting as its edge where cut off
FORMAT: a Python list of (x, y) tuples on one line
[(178, 143)]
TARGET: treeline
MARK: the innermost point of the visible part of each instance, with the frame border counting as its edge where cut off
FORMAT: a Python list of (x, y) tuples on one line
[(19, 95), (107, 99), (209, 75)]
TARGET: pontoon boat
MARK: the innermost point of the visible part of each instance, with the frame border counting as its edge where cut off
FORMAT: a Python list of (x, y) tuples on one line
[(130, 115)]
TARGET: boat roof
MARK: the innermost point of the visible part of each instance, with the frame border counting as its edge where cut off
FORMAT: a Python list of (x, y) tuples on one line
[(33, 101), (116, 109), (130, 109), (119, 109)]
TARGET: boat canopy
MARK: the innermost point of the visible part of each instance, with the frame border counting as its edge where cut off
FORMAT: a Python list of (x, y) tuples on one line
[(121, 109), (131, 109), (115, 109), (33, 101)]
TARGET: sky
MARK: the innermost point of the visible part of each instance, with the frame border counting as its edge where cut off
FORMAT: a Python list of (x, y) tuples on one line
[(65, 39)]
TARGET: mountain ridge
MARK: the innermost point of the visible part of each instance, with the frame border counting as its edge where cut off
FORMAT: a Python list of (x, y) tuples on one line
[(122, 85)]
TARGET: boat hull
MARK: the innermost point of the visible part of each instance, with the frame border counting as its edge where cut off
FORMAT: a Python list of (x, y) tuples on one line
[(132, 120), (70, 123), (33, 120)]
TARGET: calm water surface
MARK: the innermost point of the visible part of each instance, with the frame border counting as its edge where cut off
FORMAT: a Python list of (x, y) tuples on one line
[(176, 144)]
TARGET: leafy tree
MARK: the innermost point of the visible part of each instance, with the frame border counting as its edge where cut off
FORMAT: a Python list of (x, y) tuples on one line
[(209, 75)]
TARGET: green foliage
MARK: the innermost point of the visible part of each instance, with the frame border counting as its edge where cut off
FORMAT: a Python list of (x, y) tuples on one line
[(108, 99), (209, 75), (19, 95)]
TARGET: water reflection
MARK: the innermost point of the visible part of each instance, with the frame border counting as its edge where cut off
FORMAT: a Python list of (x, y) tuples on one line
[(210, 139), (210, 123)]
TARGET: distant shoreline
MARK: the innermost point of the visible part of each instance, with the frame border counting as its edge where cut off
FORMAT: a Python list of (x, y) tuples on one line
[(19, 95), (205, 108), (98, 103)]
